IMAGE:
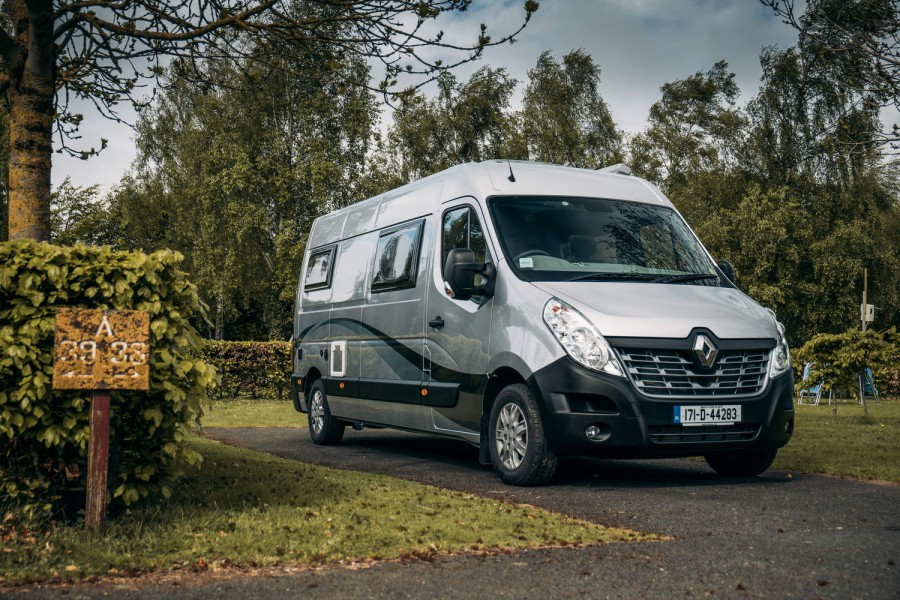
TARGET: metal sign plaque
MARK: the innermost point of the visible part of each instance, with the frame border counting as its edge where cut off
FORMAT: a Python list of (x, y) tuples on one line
[(101, 350)]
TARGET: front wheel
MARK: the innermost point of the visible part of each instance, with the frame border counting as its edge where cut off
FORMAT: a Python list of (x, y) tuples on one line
[(742, 464), (324, 429), (520, 451)]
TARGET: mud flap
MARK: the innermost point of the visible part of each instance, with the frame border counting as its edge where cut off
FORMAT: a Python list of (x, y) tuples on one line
[(484, 452)]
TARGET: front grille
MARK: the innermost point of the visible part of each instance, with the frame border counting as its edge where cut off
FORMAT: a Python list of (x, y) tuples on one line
[(675, 434), (668, 373)]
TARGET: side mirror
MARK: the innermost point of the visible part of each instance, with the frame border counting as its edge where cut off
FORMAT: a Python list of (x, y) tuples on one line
[(727, 269), (459, 275)]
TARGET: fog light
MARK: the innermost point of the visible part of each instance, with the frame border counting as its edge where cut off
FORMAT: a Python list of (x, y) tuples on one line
[(593, 432), (789, 427)]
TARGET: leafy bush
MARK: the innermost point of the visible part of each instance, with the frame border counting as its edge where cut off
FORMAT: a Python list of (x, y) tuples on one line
[(258, 370), (840, 358), (44, 433)]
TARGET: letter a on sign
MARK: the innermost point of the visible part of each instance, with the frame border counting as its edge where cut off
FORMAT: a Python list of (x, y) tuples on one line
[(104, 324)]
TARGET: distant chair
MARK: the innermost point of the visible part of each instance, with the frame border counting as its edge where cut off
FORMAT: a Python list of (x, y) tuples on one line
[(866, 386), (811, 393)]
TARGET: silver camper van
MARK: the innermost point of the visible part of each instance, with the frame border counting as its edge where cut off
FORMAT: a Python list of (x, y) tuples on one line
[(536, 312)]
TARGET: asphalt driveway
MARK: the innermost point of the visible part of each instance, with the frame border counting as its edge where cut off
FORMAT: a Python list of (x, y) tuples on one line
[(780, 535)]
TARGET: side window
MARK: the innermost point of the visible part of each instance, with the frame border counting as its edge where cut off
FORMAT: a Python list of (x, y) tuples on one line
[(462, 229), (318, 271), (397, 257)]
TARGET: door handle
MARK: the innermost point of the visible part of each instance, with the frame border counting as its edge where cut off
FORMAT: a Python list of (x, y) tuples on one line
[(436, 322)]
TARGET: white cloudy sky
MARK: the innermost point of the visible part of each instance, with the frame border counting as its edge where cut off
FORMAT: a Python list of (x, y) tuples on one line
[(638, 44)]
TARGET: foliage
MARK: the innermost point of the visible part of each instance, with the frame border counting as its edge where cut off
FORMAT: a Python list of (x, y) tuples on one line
[(464, 122), (44, 433), (855, 42), (564, 118), (798, 212), (694, 127), (79, 215), (258, 370), (838, 359), (233, 175), (103, 52)]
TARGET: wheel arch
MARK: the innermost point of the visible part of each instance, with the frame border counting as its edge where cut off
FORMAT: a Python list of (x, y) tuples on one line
[(312, 376)]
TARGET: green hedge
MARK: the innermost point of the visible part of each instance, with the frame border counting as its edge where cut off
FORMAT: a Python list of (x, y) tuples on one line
[(44, 433), (258, 370)]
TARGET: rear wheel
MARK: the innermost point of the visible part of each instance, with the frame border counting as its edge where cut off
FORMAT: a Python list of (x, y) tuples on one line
[(742, 464), (520, 451), (324, 429)]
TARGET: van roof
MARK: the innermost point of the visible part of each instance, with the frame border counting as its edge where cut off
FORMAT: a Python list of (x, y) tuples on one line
[(498, 177)]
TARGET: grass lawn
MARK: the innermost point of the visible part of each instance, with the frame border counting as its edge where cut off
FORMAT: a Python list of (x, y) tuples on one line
[(248, 509), (848, 444), (253, 413)]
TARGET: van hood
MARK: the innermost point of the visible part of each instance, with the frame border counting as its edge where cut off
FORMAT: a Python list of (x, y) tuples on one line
[(653, 310)]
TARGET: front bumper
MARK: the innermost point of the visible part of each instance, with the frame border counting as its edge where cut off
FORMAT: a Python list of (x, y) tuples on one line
[(633, 425)]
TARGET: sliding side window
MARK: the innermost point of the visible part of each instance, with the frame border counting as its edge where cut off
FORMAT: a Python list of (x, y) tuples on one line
[(397, 257), (319, 269)]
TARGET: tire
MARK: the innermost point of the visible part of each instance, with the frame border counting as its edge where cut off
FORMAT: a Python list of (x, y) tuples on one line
[(742, 464), (324, 429), (520, 451)]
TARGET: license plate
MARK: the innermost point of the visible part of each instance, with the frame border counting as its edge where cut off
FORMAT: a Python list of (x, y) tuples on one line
[(707, 415)]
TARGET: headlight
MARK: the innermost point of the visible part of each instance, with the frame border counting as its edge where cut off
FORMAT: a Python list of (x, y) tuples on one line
[(781, 355), (579, 338)]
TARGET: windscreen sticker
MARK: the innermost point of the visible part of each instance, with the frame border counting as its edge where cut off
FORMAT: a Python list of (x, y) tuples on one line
[(526, 263)]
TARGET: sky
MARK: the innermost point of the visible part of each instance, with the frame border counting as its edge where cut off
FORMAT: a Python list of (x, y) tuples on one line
[(638, 44)]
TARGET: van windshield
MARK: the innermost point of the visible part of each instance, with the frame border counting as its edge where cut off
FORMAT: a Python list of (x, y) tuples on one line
[(593, 239)]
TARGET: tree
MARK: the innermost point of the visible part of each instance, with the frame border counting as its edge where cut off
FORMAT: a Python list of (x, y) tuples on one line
[(839, 359), (564, 118), (79, 215), (233, 167), (464, 122), (798, 213), (694, 127), (103, 50), (856, 43)]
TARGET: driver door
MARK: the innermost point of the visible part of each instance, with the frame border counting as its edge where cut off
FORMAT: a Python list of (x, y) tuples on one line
[(458, 333)]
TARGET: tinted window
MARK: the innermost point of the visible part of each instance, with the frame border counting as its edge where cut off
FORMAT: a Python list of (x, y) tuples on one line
[(318, 271), (557, 238), (397, 257), (462, 229)]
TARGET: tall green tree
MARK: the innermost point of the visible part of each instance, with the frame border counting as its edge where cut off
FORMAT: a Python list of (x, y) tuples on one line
[(104, 50), (856, 43), (695, 127), (564, 118), (234, 165), (463, 122)]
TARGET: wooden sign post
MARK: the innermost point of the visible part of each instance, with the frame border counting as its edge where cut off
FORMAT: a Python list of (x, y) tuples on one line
[(100, 350)]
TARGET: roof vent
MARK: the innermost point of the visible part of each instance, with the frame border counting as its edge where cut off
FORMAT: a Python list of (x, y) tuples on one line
[(619, 169)]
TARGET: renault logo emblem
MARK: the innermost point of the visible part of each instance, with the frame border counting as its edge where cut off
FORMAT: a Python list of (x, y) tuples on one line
[(705, 350)]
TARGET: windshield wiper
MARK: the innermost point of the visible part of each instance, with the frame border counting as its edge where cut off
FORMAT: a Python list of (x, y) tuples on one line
[(685, 277), (614, 276)]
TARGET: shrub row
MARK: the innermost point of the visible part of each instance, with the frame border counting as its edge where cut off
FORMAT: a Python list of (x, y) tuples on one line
[(44, 433), (258, 370)]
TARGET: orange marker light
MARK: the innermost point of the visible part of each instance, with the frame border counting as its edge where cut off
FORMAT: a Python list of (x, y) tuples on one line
[(341, 385), (424, 392)]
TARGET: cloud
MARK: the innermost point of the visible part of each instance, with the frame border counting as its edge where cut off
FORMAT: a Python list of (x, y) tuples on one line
[(638, 44)]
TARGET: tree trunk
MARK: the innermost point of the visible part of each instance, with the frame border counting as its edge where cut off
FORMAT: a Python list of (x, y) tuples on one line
[(30, 65), (30, 149)]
